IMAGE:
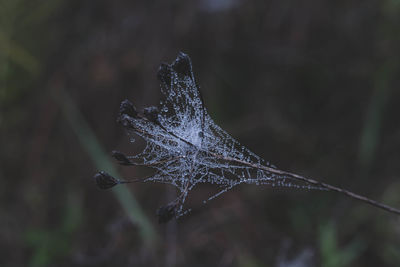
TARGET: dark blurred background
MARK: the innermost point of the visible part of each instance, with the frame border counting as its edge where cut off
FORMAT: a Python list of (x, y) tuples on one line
[(311, 86)]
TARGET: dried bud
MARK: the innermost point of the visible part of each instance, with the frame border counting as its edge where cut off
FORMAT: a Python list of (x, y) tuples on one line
[(105, 181), (183, 65), (123, 160), (166, 213), (126, 121), (127, 108), (151, 113)]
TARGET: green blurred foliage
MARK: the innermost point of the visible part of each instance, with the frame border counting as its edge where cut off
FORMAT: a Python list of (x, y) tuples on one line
[(331, 254), (52, 245)]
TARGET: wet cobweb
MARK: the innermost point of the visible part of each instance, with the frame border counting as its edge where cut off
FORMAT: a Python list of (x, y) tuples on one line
[(186, 148)]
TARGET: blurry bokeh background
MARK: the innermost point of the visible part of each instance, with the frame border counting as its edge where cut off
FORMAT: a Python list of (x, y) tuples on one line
[(312, 86)]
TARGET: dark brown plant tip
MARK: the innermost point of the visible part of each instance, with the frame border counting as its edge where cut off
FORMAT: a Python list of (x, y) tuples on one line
[(127, 108), (166, 213), (183, 65), (151, 113), (121, 157), (125, 121), (105, 181)]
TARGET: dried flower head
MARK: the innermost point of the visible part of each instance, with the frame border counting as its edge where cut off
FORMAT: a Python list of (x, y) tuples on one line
[(186, 148)]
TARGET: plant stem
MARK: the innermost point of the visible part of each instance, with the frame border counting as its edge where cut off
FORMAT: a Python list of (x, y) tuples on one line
[(317, 183)]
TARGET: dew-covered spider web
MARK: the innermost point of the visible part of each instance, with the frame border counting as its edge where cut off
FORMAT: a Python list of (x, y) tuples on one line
[(186, 148)]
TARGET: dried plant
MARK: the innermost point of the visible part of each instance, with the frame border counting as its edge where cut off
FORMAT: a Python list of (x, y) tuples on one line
[(186, 148)]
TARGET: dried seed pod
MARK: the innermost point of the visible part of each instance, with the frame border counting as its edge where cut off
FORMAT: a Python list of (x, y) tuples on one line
[(151, 113), (127, 108), (121, 157), (166, 213), (105, 181), (183, 65), (126, 121)]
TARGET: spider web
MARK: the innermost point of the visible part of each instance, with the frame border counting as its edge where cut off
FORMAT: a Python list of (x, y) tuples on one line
[(187, 148)]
